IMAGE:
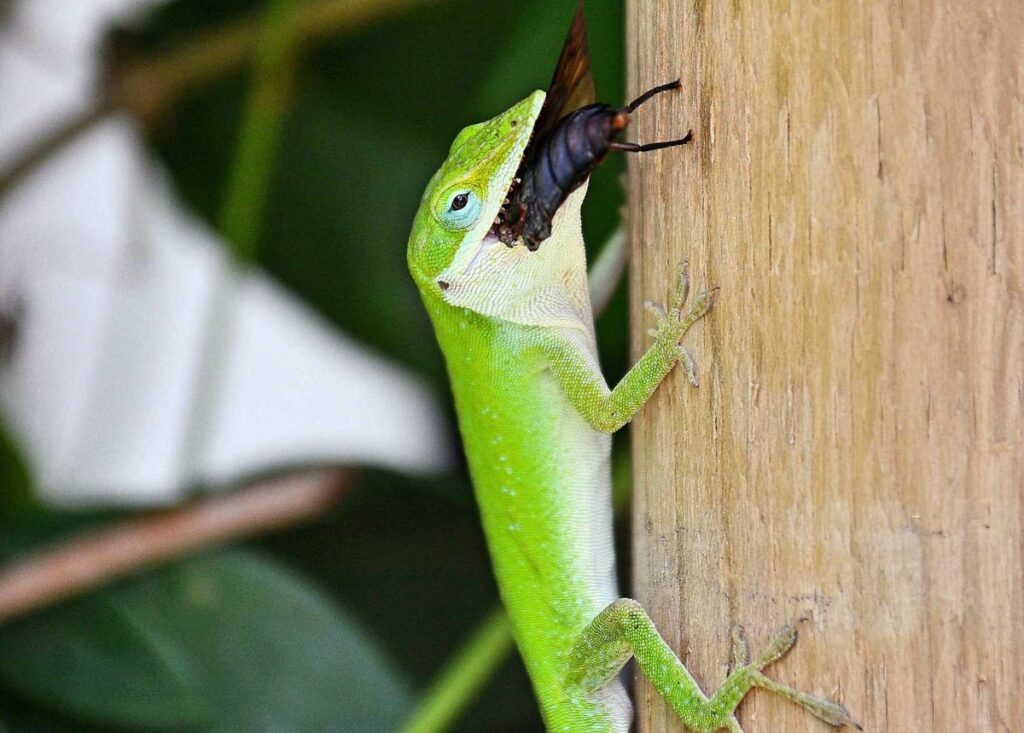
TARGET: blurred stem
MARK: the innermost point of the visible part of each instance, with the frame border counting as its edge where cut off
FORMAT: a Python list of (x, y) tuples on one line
[(259, 137), (146, 89), (463, 677), (82, 563)]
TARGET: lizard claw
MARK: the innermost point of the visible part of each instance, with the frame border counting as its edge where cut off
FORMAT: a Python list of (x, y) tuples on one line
[(655, 309), (689, 365), (682, 291), (740, 648)]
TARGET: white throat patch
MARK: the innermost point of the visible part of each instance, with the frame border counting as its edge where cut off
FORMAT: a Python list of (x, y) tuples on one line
[(543, 288)]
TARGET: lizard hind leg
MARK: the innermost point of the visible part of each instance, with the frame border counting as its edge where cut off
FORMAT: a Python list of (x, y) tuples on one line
[(624, 629)]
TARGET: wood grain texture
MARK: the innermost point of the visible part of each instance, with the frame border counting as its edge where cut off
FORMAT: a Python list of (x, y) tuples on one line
[(856, 450)]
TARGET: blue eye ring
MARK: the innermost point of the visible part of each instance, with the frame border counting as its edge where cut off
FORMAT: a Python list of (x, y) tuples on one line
[(460, 208)]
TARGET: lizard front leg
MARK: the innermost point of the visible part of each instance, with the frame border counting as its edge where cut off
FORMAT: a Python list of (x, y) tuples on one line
[(624, 630), (584, 386)]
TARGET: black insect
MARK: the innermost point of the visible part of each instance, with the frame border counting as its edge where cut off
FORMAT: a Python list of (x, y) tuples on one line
[(571, 138)]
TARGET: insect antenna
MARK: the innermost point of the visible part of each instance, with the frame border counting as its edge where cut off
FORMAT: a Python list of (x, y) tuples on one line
[(671, 86)]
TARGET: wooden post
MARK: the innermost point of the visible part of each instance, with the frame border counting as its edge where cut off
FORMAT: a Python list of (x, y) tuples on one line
[(856, 450)]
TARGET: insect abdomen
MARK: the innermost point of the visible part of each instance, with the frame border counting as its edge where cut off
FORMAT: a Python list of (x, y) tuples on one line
[(564, 159)]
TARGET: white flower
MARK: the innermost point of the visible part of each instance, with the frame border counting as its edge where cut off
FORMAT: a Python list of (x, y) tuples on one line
[(112, 285)]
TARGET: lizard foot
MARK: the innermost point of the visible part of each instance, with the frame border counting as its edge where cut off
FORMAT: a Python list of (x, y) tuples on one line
[(746, 673), (673, 324)]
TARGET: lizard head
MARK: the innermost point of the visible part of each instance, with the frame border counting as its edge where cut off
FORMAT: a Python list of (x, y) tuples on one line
[(462, 201)]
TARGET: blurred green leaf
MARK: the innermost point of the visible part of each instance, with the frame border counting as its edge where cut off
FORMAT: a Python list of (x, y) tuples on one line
[(225, 642), (20, 718)]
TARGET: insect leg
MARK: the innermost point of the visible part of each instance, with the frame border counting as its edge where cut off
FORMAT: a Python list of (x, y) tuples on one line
[(636, 148)]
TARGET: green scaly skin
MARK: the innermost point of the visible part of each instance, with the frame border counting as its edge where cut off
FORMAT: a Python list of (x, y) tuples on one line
[(536, 416)]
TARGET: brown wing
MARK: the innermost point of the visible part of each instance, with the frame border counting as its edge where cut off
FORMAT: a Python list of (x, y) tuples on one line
[(572, 85)]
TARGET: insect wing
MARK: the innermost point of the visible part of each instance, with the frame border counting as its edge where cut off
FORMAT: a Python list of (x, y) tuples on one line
[(572, 85)]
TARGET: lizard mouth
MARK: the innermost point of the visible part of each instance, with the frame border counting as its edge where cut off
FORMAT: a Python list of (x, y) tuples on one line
[(500, 227), (511, 182)]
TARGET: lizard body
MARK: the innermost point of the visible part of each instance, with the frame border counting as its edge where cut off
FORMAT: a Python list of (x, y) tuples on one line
[(535, 415)]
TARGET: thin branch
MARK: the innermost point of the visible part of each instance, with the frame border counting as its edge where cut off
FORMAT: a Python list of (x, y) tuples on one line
[(145, 89), (83, 563), (38, 152)]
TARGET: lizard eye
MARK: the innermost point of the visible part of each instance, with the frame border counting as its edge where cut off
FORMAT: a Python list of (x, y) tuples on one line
[(462, 209)]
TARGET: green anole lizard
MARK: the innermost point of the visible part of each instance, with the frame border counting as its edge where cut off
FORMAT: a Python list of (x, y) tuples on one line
[(536, 415)]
